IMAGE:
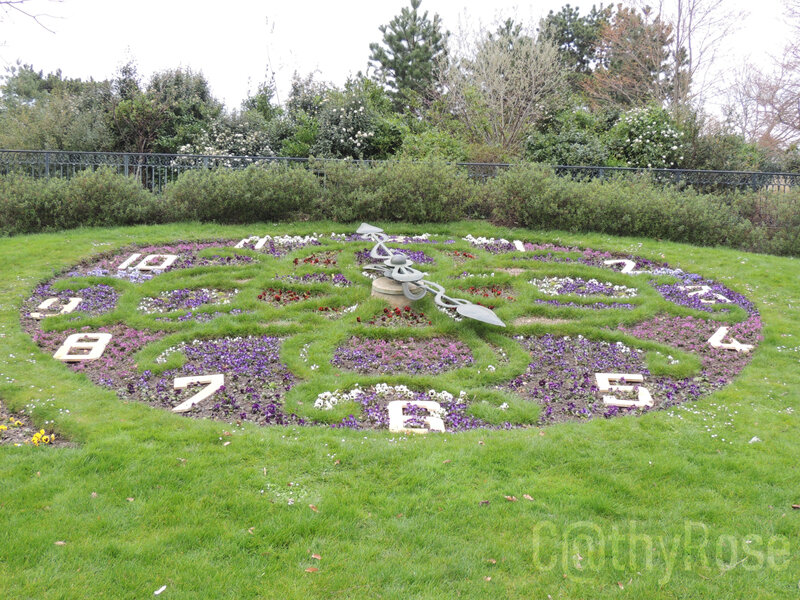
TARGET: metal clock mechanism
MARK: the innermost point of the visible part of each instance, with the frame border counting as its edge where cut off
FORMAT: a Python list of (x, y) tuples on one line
[(401, 277)]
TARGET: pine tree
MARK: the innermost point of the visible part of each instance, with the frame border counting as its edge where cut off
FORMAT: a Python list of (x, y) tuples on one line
[(412, 44)]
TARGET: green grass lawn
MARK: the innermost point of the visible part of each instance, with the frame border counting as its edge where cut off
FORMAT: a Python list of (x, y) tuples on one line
[(650, 506)]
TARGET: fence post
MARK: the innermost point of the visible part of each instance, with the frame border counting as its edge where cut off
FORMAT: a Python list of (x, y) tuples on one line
[(126, 161), (47, 164)]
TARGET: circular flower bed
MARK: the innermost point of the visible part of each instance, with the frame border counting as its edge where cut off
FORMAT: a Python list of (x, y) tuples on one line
[(237, 360)]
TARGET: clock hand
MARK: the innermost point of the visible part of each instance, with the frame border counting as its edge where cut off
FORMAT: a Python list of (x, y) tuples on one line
[(397, 266)]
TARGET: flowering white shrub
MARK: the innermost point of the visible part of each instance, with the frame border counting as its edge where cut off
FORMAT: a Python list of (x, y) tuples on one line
[(648, 138), (237, 135)]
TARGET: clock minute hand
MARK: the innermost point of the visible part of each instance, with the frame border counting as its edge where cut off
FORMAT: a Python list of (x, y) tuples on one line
[(397, 266)]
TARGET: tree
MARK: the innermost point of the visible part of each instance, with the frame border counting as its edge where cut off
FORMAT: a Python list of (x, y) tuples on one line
[(501, 86), (412, 44), (139, 122), (633, 60), (18, 7), (185, 99), (576, 37), (50, 112), (698, 28), (764, 106)]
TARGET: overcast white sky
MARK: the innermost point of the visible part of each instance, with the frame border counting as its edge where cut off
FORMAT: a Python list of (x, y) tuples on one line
[(237, 42)]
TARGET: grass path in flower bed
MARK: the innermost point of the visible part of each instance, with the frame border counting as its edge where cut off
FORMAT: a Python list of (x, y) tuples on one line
[(146, 498)]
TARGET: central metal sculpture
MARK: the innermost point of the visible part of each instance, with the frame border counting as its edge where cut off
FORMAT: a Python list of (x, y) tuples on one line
[(396, 266)]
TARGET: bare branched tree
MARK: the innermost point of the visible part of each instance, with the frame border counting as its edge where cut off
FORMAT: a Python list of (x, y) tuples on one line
[(11, 8), (764, 106), (698, 29), (498, 85)]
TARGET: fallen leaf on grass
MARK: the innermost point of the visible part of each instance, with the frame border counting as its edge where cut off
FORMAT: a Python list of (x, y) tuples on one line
[(444, 462), (94, 494), (480, 442), (337, 462), (314, 508), (251, 531), (317, 556), (527, 497), (312, 570), (487, 578), (484, 502), (510, 498), (541, 433), (622, 587), (159, 590), (491, 560), (796, 506), (129, 499), (226, 433), (226, 444), (60, 543)]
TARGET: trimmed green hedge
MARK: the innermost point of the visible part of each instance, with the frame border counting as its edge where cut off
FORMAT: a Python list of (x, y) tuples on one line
[(530, 196)]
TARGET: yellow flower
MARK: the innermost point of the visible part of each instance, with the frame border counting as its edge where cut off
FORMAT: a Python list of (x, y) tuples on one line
[(46, 439), (17, 423), (3, 428)]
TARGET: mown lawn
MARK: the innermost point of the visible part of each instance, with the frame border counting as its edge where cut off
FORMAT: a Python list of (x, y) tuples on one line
[(654, 506)]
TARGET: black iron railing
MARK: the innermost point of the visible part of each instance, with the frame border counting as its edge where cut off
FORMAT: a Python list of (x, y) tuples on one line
[(156, 170)]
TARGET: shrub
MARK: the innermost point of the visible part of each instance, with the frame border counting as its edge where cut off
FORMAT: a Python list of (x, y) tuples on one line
[(29, 205), (533, 196), (102, 198), (573, 137), (648, 138), (257, 193), (416, 192), (91, 198), (433, 144)]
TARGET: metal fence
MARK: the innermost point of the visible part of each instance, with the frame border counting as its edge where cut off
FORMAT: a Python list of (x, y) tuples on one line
[(156, 170)]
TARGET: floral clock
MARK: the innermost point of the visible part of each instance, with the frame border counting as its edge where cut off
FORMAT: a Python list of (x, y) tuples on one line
[(285, 330)]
